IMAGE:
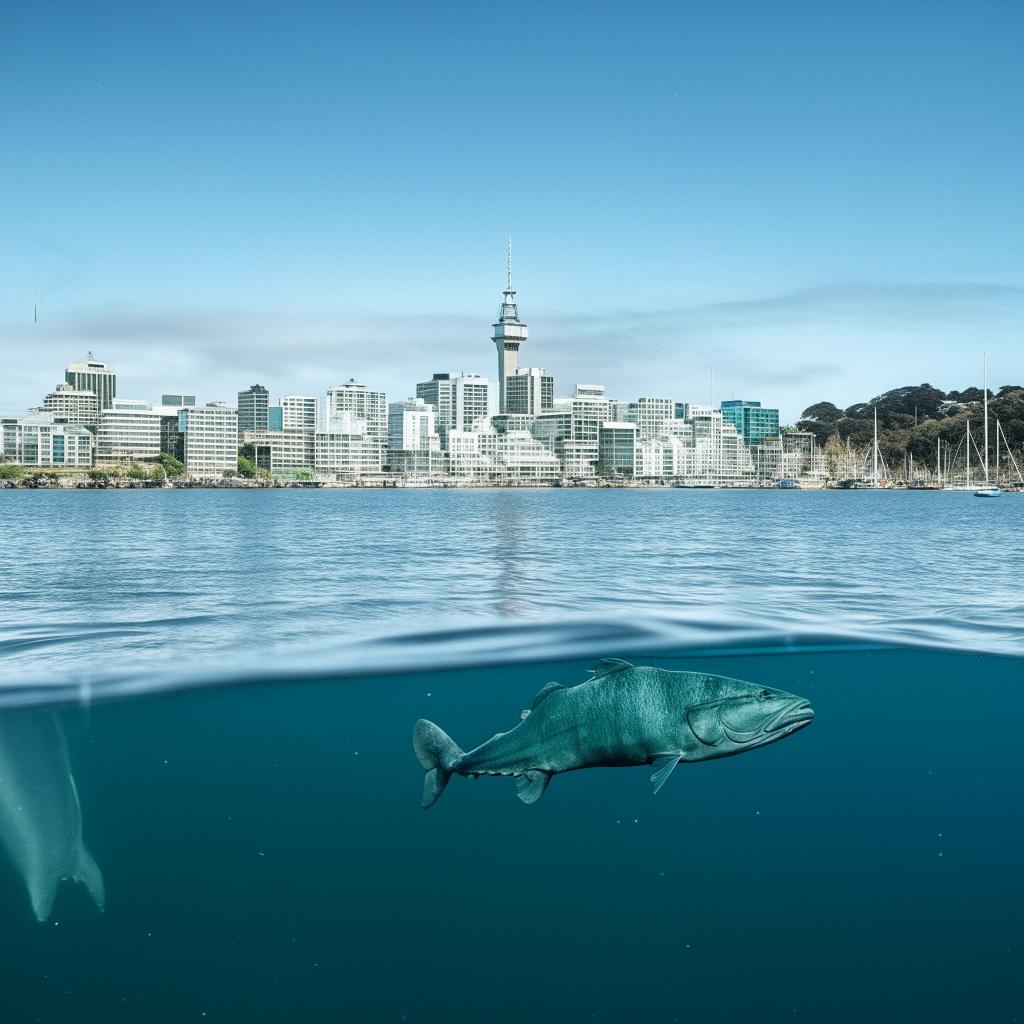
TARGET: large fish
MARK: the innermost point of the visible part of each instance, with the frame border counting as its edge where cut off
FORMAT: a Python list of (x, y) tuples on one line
[(40, 817), (625, 715)]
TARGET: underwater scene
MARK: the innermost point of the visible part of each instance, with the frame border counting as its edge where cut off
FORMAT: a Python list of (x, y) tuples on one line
[(260, 853)]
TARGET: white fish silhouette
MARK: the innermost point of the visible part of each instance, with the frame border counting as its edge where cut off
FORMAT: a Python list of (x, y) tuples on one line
[(40, 816)]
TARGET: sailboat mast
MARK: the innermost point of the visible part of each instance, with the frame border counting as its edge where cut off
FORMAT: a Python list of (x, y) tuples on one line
[(997, 449), (874, 470), (938, 458), (968, 453), (984, 388)]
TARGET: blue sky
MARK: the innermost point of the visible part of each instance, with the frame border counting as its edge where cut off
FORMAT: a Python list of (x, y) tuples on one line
[(822, 200)]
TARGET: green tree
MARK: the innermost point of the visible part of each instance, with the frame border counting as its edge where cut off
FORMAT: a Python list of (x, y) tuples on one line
[(100, 476), (138, 472), (172, 465), (304, 474), (11, 471), (158, 474), (246, 468)]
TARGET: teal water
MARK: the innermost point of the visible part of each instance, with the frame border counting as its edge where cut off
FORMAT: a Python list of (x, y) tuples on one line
[(229, 682), (266, 859), (98, 582)]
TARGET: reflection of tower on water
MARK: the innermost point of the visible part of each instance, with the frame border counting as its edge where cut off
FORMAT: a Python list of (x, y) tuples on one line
[(511, 555)]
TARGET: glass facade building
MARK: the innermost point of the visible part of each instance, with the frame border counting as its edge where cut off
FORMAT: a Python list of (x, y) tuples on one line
[(753, 422)]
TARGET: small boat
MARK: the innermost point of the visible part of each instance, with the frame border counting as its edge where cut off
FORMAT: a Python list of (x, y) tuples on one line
[(987, 492)]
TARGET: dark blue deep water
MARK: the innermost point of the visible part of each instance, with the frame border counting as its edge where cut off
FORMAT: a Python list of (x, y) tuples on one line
[(264, 854)]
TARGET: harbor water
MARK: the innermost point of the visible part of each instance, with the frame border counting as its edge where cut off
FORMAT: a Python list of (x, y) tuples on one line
[(226, 685)]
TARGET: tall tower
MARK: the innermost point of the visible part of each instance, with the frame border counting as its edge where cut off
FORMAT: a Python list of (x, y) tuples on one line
[(509, 334)]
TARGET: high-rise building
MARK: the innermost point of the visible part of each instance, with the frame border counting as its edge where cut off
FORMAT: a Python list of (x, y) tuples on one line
[(298, 412), (509, 334), (649, 414), (72, 406), (752, 421), (369, 406), (460, 401), (129, 431), (252, 408), (211, 438), (93, 376), (38, 440), (530, 390)]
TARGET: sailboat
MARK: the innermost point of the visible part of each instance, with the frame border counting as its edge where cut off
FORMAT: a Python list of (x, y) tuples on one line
[(989, 490)]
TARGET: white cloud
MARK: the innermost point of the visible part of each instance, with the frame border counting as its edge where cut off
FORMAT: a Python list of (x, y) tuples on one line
[(843, 344)]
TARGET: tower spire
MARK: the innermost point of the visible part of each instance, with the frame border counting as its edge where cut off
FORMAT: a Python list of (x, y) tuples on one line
[(509, 333)]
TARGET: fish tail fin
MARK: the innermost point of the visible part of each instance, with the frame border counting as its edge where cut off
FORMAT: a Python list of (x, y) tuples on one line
[(87, 872), (438, 754)]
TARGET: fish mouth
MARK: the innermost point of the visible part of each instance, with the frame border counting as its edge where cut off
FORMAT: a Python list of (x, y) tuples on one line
[(794, 717)]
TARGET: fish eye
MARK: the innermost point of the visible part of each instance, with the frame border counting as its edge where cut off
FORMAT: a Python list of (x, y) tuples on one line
[(766, 694)]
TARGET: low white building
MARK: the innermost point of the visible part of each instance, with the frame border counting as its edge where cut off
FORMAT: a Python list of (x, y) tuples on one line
[(210, 439), (511, 456), (341, 455), (698, 445), (37, 440), (129, 431), (282, 453)]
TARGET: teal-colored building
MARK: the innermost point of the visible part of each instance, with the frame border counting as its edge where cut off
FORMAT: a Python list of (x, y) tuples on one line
[(752, 420)]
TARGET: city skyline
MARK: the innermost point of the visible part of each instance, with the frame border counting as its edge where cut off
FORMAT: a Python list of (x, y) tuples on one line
[(150, 373), (822, 203)]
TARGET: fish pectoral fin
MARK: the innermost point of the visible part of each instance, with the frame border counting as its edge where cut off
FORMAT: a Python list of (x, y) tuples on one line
[(545, 692), (663, 767), (530, 785), (42, 891)]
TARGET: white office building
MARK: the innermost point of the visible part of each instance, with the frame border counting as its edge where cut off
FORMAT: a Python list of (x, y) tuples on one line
[(414, 446), (572, 427), (129, 431), (282, 453), (697, 444), (77, 407), (459, 400), (487, 455), (210, 439), (360, 402), (344, 456), (38, 440), (298, 412), (529, 391), (649, 414)]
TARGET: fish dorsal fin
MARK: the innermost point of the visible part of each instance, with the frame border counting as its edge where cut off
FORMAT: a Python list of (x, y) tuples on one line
[(663, 767), (544, 693), (609, 666)]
